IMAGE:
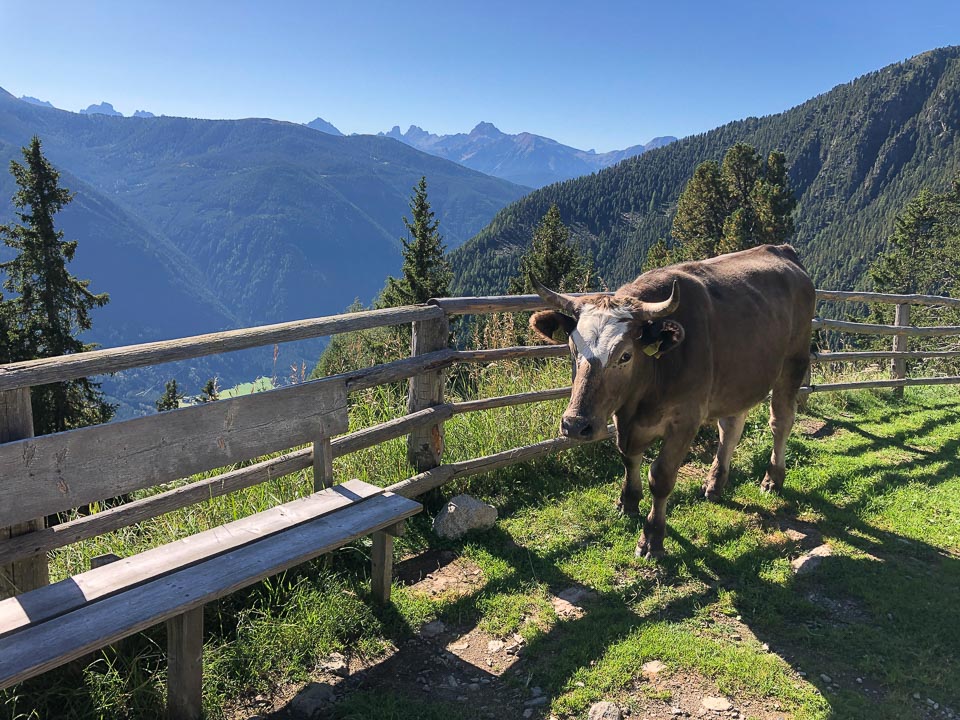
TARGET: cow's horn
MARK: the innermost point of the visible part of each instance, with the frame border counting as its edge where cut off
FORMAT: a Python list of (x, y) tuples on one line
[(656, 310), (561, 302)]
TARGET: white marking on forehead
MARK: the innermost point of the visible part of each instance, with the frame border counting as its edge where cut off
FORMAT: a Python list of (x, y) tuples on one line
[(599, 331)]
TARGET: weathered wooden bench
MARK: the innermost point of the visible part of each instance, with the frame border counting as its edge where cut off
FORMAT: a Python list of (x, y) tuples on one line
[(48, 626)]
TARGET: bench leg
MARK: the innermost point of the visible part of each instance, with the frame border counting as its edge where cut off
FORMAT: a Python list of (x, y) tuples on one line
[(381, 572), (185, 665)]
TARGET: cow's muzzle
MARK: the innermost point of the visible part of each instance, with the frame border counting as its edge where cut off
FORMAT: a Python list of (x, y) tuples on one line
[(578, 427)]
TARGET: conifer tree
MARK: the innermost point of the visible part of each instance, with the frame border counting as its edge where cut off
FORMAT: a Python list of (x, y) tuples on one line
[(552, 258), (426, 271), (742, 202), (923, 252), (210, 391), (170, 400), (48, 306)]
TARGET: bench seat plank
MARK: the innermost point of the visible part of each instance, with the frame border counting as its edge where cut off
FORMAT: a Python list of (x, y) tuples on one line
[(48, 602), (40, 647)]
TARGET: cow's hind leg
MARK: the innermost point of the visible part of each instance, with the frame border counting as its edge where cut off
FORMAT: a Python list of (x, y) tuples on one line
[(731, 428), (662, 477), (783, 411)]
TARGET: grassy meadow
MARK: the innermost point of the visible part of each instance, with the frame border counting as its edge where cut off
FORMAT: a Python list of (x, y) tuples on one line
[(872, 632)]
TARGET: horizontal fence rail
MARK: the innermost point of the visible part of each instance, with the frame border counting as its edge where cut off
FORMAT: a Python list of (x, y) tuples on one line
[(872, 329), (110, 360)]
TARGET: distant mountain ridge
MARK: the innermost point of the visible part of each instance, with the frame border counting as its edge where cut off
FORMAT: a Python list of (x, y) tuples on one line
[(857, 154), (200, 225), (103, 108), (524, 158), (323, 126)]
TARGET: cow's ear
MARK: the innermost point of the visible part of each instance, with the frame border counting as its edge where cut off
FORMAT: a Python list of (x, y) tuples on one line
[(546, 322), (661, 336)]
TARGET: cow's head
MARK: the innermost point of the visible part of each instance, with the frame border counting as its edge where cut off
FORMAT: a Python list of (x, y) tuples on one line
[(614, 342)]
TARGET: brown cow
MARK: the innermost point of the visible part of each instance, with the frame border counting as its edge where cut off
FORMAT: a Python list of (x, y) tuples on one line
[(681, 345)]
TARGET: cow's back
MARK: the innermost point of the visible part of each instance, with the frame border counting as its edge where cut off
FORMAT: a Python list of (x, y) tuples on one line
[(746, 315)]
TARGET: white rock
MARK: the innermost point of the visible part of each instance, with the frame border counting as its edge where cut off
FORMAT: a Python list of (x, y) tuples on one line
[(720, 704), (651, 669), (494, 646), (462, 514), (604, 711)]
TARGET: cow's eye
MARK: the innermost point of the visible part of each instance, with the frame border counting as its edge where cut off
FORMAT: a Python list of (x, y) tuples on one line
[(625, 358)]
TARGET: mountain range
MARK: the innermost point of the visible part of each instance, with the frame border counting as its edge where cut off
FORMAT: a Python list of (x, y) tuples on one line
[(857, 154), (199, 225), (524, 158)]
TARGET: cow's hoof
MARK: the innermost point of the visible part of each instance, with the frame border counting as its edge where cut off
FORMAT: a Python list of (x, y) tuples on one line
[(713, 496), (627, 511), (646, 551), (773, 480)]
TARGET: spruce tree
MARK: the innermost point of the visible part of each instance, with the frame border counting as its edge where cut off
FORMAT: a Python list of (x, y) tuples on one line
[(552, 258), (170, 400), (923, 252), (48, 306), (210, 391), (743, 202), (426, 271)]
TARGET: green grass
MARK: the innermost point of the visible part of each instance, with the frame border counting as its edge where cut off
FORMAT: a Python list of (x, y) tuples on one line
[(880, 481)]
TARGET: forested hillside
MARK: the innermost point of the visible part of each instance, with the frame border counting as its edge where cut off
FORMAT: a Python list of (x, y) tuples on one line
[(857, 154)]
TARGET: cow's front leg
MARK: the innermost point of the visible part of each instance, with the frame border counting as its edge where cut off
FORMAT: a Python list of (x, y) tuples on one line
[(631, 492), (631, 443), (663, 476)]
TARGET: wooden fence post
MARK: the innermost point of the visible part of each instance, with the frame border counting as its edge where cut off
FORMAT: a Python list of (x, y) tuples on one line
[(898, 366), (16, 423), (322, 465), (425, 445)]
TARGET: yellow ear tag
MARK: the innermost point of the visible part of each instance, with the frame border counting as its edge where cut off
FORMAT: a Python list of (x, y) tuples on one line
[(653, 349)]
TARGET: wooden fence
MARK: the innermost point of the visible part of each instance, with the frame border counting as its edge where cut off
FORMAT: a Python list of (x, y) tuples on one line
[(24, 545)]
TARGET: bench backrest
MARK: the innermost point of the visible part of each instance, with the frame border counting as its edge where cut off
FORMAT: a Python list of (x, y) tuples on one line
[(54, 473)]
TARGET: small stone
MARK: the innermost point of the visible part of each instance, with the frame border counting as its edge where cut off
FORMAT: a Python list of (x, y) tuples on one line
[(308, 701), (766, 647), (462, 514), (810, 561), (452, 681), (860, 680), (930, 702), (826, 678), (676, 711), (433, 628), (461, 698), (426, 688), (473, 686), (336, 664), (651, 669), (528, 713), (736, 636), (536, 691), (537, 701), (604, 711), (495, 646), (916, 696), (718, 704), (579, 683), (460, 646)]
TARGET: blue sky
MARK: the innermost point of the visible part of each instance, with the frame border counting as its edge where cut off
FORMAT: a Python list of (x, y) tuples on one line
[(597, 74)]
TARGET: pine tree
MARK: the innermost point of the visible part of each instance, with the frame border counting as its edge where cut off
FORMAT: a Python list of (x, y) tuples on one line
[(48, 306), (210, 391), (426, 271), (552, 258), (923, 252), (743, 202), (170, 400)]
